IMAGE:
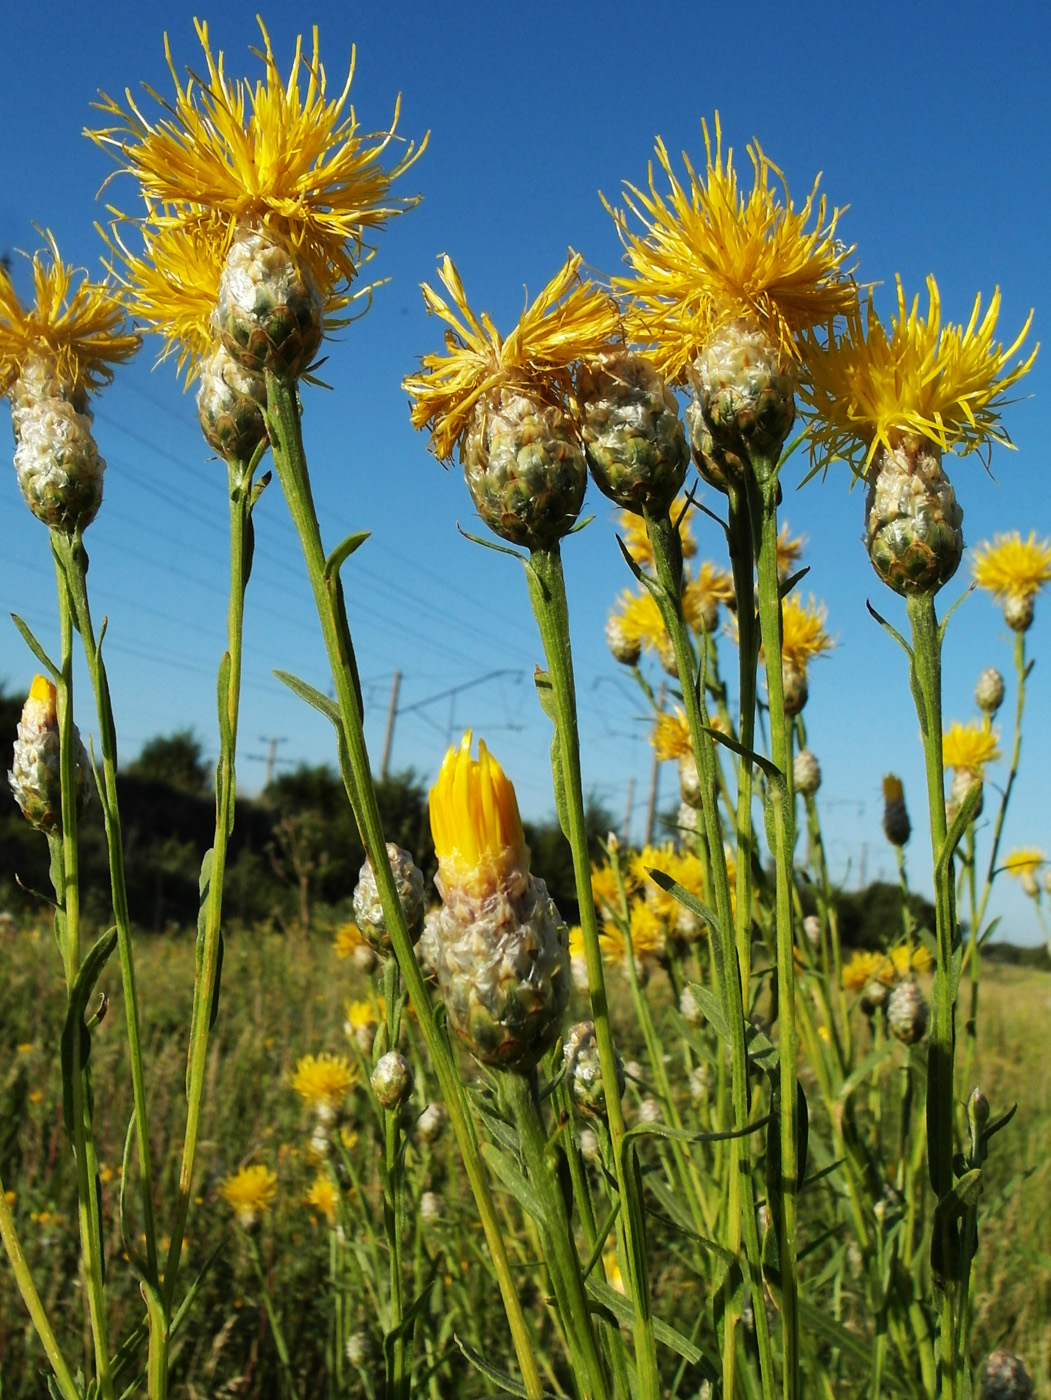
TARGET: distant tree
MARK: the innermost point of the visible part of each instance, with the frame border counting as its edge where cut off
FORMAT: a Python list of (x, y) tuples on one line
[(175, 759)]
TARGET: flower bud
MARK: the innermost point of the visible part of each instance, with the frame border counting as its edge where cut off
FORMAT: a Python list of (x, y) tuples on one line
[(58, 465), (989, 691), (633, 439), (913, 528), (747, 395), (1004, 1377), (1019, 609), (650, 1110), (718, 466), (431, 1209), (525, 469), (230, 406), (624, 647), (368, 911), (812, 929), (270, 312), (391, 1080), (896, 825), (690, 1012), (689, 780), (806, 773), (796, 687), (430, 1124), (907, 1013), (583, 1071), (36, 775)]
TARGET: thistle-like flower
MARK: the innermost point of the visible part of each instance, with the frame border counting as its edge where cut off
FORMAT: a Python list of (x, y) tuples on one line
[(52, 354), (368, 911), (896, 825), (36, 774), (1023, 864), (1014, 571), (583, 1071), (507, 404), (803, 637), (503, 959), (259, 200), (722, 287), (891, 403), (966, 749), (249, 1192), (323, 1083)]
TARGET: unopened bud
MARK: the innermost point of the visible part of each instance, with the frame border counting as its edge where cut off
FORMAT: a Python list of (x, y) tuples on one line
[(989, 691), (391, 1080), (806, 773)]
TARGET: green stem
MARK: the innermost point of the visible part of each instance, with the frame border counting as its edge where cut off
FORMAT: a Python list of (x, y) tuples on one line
[(520, 1092), (67, 892), (740, 1216), (31, 1298), (762, 485), (209, 938), (398, 1377), (275, 1326), (290, 461), (741, 562), (926, 678), (547, 592)]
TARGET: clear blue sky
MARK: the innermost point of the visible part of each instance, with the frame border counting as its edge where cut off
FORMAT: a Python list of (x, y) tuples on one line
[(931, 122)]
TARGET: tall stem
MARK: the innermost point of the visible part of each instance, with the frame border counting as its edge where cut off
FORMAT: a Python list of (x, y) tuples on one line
[(926, 677), (290, 461), (547, 591), (209, 938), (667, 554)]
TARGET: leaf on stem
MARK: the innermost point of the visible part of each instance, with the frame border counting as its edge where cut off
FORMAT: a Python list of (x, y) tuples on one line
[(313, 697), (342, 553), (37, 650), (490, 544), (83, 985), (891, 631), (511, 1386)]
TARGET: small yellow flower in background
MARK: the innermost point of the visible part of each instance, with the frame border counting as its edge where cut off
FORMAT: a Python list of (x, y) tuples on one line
[(10, 1197), (249, 1193), (348, 938), (604, 888), (632, 530), (789, 551), (324, 1081), (803, 631), (1014, 570), (1023, 864), (648, 934), (969, 747), (36, 1096), (283, 157), (25, 1048), (670, 735), (366, 1012), (477, 830), (865, 967), (946, 383), (324, 1197), (702, 595), (708, 256), (611, 1268), (641, 621)]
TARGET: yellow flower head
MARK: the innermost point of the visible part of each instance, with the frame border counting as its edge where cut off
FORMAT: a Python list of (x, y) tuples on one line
[(285, 156), (1027, 860), (477, 830), (702, 595), (871, 388), (863, 968), (361, 1014), (893, 791), (970, 746), (632, 530), (671, 736), (604, 889), (709, 256), (1011, 567), (641, 620), (74, 326), (348, 937), (323, 1196), (646, 929), (803, 631), (570, 320), (789, 551), (249, 1193), (323, 1081)]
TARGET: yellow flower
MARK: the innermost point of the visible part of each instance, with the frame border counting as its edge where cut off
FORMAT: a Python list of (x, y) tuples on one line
[(789, 551), (803, 631), (348, 937), (702, 595), (632, 530), (323, 1081), (477, 830), (671, 736), (1023, 865), (569, 320), (361, 1014), (945, 382), (604, 888), (323, 1196), (249, 1193), (1011, 567), (970, 746), (709, 256), (646, 929), (641, 620), (863, 968), (284, 156), (74, 327)]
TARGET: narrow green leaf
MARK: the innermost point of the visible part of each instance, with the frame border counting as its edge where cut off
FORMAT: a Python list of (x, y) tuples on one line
[(891, 631), (409, 1316), (621, 1308), (213, 1013), (712, 1008), (223, 697), (37, 650), (313, 697), (824, 1325), (858, 1076), (510, 1385), (515, 1181), (785, 589), (998, 1123), (960, 823), (490, 544), (342, 552), (684, 897), (769, 768)]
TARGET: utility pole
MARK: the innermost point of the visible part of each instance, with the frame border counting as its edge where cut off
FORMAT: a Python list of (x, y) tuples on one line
[(625, 831), (388, 738), (655, 773), (272, 742)]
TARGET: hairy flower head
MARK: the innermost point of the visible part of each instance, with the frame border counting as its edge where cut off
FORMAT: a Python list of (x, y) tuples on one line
[(249, 1192), (641, 620), (632, 530), (670, 736), (969, 747), (282, 155), (702, 595), (323, 1081), (477, 830), (569, 320), (803, 634), (945, 382), (323, 1196), (1011, 567), (74, 326), (709, 255)]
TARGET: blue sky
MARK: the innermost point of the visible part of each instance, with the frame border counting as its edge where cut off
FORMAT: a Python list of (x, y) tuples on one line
[(930, 122)]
